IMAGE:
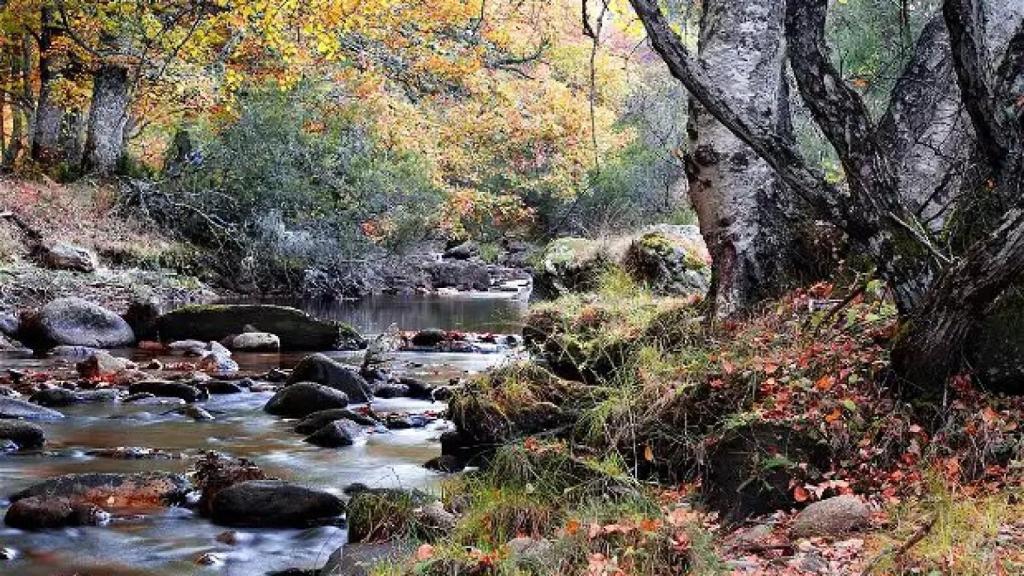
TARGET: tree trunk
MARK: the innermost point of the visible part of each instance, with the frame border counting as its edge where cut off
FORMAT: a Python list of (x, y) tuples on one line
[(108, 116), (745, 213), (49, 114)]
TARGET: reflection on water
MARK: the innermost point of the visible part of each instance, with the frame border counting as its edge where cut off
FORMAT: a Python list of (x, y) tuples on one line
[(472, 312), (169, 542)]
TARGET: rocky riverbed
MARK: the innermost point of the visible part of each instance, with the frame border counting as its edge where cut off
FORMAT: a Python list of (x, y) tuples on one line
[(228, 455)]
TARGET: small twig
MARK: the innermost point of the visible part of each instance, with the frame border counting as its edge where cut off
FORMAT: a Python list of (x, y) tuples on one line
[(916, 537)]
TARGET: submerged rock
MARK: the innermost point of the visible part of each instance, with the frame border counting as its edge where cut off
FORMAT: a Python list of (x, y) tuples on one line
[(133, 490), (321, 418), (25, 435), (302, 399), (75, 322), (335, 434), (41, 513), (12, 408), (295, 329), (320, 369), (168, 389), (274, 503)]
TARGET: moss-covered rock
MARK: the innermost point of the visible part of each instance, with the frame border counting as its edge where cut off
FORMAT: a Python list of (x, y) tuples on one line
[(571, 265), (295, 329), (667, 264)]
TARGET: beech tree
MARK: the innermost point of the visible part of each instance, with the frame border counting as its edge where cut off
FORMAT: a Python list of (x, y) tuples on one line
[(948, 289)]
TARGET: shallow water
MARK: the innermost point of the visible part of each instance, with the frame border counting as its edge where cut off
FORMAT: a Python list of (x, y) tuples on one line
[(169, 541)]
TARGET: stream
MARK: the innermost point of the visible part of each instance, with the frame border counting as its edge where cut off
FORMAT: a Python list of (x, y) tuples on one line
[(169, 541)]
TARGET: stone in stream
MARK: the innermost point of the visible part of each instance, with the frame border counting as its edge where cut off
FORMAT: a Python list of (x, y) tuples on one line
[(134, 453), (188, 347), (102, 365), (274, 504), (390, 389), (55, 397), (323, 370), (217, 363), (74, 322), (295, 329), (42, 512), (168, 389), (302, 399), (133, 490), (9, 324), (321, 418), (219, 387), (429, 338), (25, 435), (255, 342), (72, 351), (417, 388), (214, 472), (335, 434), (14, 409)]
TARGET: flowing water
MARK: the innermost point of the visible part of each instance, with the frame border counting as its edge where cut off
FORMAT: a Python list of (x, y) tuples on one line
[(169, 541)]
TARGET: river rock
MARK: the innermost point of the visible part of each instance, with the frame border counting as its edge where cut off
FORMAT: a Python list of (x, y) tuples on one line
[(460, 275), (72, 351), (102, 365), (214, 472), (134, 490), (142, 315), (41, 513), (217, 363), (834, 516), (318, 420), (188, 347), (335, 434), (168, 389), (75, 322), (323, 370), (219, 387), (390, 389), (10, 324), (25, 434), (463, 251), (66, 256), (12, 408), (274, 503), (302, 399), (295, 329), (255, 342), (55, 397), (429, 338)]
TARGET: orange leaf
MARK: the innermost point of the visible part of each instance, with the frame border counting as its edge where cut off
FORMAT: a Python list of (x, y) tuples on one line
[(648, 453), (825, 383), (800, 494), (572, 527), (833, 416)]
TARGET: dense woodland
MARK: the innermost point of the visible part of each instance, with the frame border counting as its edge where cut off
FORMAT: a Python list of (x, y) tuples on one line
[(777, 249)]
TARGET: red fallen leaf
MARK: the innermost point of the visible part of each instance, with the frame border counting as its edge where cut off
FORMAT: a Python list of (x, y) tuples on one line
[(800, 494)]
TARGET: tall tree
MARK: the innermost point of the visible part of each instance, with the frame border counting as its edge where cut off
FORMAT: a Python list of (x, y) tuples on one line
[(746, 214), (943, 296)]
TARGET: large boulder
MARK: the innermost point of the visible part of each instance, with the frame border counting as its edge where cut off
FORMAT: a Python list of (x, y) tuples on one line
[(65, 256), (75, 322), (669, 264), (834, 516), (274, 503), (14, 409), (323, 370), (751, 468), (135, 490), (304, 398), (460, 274), (214, 472), (295, 329), (25, 435)]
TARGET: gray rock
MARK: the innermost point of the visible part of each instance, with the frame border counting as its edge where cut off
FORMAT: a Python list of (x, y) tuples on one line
[(358, 559), (217, 363), (530, 551), (75, 322), (831, 517), (274, 503), (219, 387), (72, 351), (66, 256), (302, 399), (10, 324), (188, 347), (12, 408), (463, 251), (55, 397), (256, 342), (323, 370), (25, 434), (102, 364)]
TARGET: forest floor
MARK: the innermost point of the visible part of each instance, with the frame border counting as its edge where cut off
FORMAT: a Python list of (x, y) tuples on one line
[(689, 449), (137, 262)]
